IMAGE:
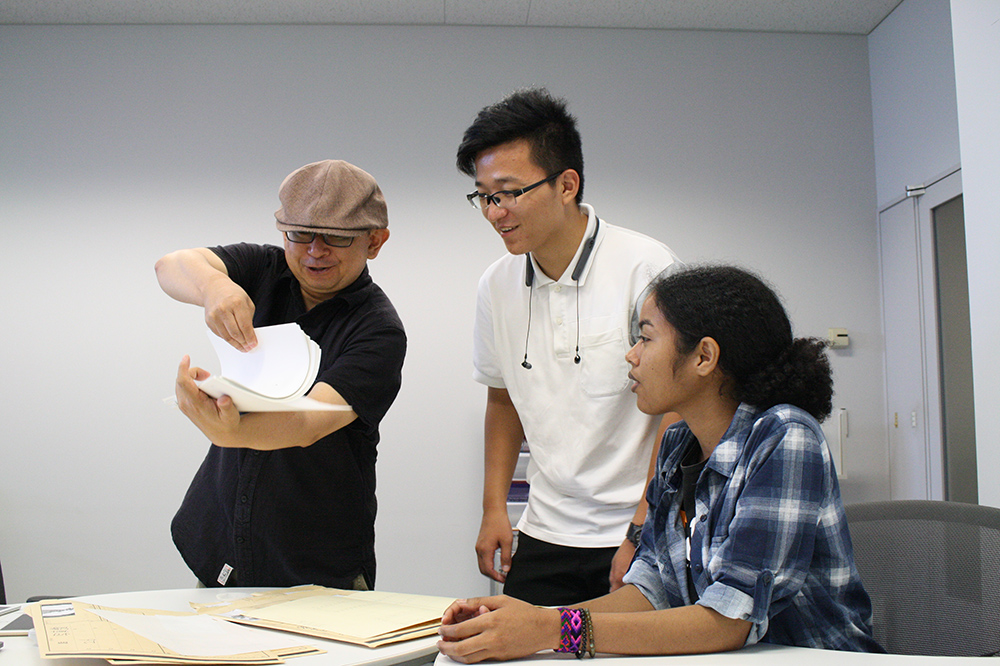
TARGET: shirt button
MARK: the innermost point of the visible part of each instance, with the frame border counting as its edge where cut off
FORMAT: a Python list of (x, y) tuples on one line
[(558, 321), (697, 568), (240, 539), (244, 499), (558, 288)]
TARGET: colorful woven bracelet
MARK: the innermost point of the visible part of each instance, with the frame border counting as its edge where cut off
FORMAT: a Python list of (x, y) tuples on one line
[(571, 630)]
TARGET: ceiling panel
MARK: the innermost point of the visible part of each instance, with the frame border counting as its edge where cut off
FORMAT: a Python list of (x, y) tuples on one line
[(820, 16)]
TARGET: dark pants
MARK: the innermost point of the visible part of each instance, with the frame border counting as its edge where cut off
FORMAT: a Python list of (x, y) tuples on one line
[(545, 574)]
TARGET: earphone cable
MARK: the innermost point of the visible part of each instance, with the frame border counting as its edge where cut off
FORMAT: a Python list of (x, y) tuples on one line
[(527, 332)]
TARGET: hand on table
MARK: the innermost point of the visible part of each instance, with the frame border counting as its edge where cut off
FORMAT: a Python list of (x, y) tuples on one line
[(496, 628)]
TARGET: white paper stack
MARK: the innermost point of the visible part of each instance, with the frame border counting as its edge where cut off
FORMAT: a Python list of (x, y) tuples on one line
[(274, 377)]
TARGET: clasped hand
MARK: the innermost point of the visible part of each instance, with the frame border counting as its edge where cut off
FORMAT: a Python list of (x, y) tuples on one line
[(473, 630)]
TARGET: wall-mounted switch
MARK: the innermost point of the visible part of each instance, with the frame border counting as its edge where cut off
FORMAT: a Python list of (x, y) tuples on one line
[(838, 338)]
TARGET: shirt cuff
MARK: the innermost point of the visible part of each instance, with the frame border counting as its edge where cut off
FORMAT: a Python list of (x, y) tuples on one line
[(732, 603), (647, 580)]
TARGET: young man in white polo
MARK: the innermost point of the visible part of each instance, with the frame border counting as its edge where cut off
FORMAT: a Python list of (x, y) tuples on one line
[(551, 333)]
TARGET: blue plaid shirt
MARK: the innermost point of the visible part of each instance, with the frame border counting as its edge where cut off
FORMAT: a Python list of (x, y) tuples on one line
[(769, 542)]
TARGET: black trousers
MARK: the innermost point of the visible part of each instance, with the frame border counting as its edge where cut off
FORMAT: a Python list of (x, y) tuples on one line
[(545, 574)]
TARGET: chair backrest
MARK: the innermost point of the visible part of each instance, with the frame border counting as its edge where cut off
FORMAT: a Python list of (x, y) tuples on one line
[(932, 570)]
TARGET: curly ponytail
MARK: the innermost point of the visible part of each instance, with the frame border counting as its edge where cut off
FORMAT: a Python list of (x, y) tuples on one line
[(800, 376), (764, 364)]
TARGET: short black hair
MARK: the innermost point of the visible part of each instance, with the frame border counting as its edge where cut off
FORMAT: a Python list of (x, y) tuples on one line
[(531, 114), (765, 365)]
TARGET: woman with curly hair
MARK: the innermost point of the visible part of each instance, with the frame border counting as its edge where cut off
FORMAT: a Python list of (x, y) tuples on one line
[(746, 539)]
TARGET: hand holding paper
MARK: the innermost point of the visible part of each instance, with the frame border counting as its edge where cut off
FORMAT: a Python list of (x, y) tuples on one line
[(273, 377), (273, 412), (199, 406), (229, 313)]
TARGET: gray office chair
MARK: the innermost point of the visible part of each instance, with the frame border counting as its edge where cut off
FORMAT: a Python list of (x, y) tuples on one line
[(932, 570)]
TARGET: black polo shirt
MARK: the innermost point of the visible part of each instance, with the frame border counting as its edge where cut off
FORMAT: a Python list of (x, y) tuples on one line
[(300, 515)]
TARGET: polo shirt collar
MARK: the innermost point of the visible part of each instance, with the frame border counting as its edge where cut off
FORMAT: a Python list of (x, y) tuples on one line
[(356, 292), (567, 277)]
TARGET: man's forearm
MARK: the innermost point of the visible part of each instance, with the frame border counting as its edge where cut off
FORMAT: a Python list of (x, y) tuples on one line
[(264, 431), (503, 438), (270, 431), (501, 461)]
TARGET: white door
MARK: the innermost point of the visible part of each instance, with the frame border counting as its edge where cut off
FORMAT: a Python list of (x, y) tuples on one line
[(904, 348), (908, 263)]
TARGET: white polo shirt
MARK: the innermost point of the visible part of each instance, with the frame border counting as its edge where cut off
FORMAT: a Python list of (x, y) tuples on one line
[(590, 445)]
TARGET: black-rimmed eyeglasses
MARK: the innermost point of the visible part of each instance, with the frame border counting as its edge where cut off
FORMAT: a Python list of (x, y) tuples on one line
[(505, 198), (308, 236)]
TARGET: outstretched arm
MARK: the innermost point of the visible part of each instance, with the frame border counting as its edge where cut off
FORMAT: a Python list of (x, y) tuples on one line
[(624, 622), (198, 276)]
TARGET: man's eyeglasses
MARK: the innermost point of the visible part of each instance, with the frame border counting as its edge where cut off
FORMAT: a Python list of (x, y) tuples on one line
[(329, 239), (505, 198)]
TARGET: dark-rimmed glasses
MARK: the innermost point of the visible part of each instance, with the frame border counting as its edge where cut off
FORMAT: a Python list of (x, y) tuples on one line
[(305, 237), (505, 198)]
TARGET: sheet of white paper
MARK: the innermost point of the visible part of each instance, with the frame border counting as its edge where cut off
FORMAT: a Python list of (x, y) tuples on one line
[(275, 368), (201, 635)]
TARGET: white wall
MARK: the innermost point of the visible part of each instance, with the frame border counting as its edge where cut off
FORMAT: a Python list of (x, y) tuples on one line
[(976, 26), (935, 90), (916, 142), (913, 97), (120, 144)]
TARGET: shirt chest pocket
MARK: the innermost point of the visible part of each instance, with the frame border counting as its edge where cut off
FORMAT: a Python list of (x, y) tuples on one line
[(604, 370)]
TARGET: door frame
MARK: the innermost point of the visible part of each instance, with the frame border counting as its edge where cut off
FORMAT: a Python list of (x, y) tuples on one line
[(923, 199)]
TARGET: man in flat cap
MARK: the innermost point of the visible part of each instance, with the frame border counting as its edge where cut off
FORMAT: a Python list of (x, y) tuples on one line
[(288, 498)]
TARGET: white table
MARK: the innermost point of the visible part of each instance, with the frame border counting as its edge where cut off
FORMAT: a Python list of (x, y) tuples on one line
[(755, 655), (23, 650)]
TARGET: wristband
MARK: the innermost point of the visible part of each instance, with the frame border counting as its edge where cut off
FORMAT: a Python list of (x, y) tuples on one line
[(634, 534), (571, 630)]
